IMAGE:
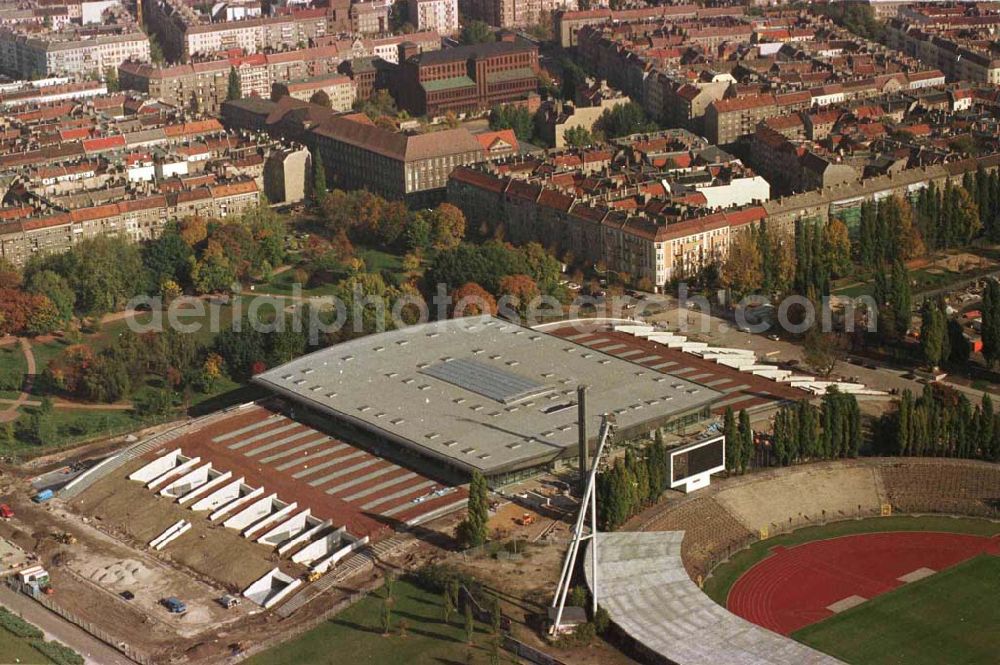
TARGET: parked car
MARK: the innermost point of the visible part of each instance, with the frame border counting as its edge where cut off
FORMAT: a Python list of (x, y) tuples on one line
[(6, 511), (174, 605), (228, 601), (127, 595), (43, 496)]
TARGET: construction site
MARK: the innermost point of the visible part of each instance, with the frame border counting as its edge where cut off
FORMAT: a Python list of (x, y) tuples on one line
[(194, 534)]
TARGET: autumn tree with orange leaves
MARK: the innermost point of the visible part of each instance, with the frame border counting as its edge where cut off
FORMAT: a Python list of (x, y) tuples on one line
[(470, 299)]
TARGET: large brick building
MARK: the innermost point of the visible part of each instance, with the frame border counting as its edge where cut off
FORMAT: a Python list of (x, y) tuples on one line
[(467, 78), (359, 155)]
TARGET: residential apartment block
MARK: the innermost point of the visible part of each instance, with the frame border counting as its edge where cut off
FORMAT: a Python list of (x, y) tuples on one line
[(514, 13), (70, 53), (185, 32), (437, 15)]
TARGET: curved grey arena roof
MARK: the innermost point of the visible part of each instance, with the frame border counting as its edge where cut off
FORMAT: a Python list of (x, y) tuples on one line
[(642, 584)]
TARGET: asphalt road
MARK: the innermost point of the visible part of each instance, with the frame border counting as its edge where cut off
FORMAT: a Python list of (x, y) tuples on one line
[(56, 628)]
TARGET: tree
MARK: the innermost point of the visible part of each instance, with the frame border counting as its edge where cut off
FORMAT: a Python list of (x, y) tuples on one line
[(733, 441), (211, 371), (513, 117), (741, 272), (386, 614), (470, 299), (899, 299), (991, 322), (470, 623), (235, 89), (933, 331), (320, 98), (477, 32), (111, 79), (745, 433), (577, 137), (624, 120), (959, 348), (447, 605), (168, 258), (518, 292), (419, 232), (103, 272), (472, 531), (23, 313), (319, 178), (819, 351), (448, 226), (838, 247)]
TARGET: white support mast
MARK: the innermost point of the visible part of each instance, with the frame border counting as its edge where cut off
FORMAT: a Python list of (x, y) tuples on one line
[(588, 503)]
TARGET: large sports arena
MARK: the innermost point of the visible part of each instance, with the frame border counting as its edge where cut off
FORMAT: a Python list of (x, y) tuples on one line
[(484, 394)]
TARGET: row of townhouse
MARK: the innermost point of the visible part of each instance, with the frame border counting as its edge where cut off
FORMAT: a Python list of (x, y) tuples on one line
[(730, 119), (585, 230), (569, 23), (959, 61), (136, 219), (57, 54), (183, 31), (646, 245), (203, 86)]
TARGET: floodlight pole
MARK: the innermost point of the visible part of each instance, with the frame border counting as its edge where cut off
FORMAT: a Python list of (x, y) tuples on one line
[(589, 500)]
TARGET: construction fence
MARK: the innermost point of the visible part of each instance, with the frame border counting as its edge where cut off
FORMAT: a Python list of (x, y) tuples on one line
[(119, 645)]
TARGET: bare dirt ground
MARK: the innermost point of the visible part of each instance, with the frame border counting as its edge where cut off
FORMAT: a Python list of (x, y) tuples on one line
[(136, 515), (525, 587), (834, 491), (88, 576)]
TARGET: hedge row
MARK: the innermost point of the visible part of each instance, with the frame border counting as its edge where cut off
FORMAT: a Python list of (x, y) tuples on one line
[(17, 625), (60, 654)]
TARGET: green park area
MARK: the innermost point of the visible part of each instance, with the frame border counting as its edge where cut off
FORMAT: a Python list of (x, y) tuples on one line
[(418, 635), (949, 617), (22, 642)]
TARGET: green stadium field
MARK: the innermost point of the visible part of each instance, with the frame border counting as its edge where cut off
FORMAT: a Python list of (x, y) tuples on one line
[(950, 617)]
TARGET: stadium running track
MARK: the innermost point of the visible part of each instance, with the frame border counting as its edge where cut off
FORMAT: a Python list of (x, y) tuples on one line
[(793, 587)]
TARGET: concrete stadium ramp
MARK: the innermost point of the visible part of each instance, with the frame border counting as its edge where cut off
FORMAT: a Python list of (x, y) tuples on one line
[(157, 467), (306, 536), (203, 490), (271, 589), (189, 481), (642, 583), (255, 511), (287, 529)]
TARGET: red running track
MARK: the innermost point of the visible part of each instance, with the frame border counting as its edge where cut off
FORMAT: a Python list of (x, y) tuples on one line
[(792, 587)]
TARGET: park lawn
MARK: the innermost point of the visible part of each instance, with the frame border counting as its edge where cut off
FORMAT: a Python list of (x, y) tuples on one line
[(717, 586), (949, 617), (283, 284), (355, 635), (377, 260), (14, 649)]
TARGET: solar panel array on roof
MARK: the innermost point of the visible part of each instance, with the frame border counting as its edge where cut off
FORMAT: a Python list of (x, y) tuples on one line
[(492, 382)]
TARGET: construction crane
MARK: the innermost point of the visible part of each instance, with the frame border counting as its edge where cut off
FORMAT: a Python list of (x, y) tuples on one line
[(588, 501)]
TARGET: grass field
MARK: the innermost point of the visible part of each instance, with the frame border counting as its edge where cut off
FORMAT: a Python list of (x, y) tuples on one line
[(14, 649), (355, 635), (725, 575), (949, 617)]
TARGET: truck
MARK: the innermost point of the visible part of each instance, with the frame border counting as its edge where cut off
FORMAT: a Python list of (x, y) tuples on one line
[(43, 496)]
